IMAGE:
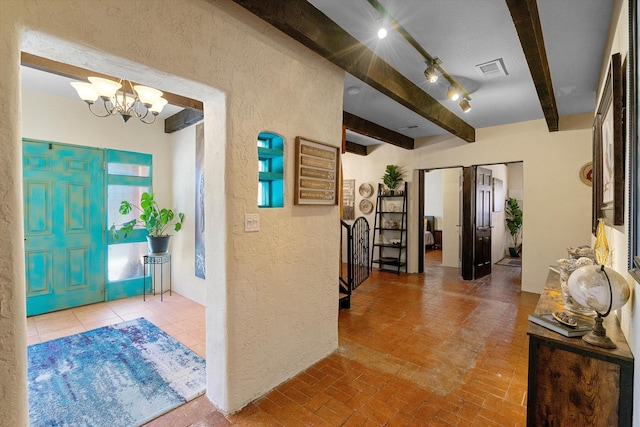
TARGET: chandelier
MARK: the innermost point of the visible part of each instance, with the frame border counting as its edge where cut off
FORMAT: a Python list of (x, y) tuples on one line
[(122, 98)]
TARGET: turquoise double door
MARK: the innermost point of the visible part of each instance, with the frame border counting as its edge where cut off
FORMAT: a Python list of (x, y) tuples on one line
[(64, 225)]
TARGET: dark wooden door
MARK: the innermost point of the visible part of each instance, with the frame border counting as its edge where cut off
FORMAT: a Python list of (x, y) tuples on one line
[(482, 240), (476, 222)]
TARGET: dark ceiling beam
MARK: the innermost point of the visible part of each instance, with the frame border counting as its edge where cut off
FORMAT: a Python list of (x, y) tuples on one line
[(78, 73), (354, 148), (524, 14), (182, 119), (372, 130), (306, 24)]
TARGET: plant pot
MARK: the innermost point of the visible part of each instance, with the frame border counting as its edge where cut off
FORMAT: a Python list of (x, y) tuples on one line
[(158, 244), (392, 192), (513, 253)]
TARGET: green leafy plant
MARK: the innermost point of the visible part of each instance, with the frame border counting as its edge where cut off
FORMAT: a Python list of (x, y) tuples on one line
[(154, 219), (392, 176), (513, 218)]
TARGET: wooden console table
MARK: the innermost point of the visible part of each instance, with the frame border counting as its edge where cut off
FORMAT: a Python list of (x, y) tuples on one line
[(572, 383)]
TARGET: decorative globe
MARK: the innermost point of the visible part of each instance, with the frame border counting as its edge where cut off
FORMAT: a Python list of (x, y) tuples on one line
[(589, 287)]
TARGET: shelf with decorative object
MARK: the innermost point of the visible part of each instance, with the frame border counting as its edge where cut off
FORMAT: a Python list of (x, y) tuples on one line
[(389, 248)]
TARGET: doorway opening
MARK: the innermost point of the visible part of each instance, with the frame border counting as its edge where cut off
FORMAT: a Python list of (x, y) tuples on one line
[(442, 203)]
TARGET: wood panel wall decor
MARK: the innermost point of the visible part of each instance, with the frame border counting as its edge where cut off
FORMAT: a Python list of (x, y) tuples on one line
[(317, 166)]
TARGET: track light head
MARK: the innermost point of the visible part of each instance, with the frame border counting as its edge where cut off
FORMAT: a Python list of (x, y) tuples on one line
[(465, 106), (453, 94), (430, 74)]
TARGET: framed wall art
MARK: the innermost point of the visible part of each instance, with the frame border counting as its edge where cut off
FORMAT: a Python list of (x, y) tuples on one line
[(317, 166), (349, 199), (608, 150)]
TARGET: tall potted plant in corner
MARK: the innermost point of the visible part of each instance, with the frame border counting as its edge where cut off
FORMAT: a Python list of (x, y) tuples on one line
[(513, 218), (392, 177), (154, 219)]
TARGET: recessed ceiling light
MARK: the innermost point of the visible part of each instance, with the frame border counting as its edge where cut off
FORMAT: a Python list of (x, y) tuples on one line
[(382, 33), (353, 90)]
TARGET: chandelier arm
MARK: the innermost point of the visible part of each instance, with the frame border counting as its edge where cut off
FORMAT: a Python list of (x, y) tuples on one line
[(107, 111), (145, 122)]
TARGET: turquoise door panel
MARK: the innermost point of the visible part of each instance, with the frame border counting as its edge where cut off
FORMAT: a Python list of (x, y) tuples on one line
[(63, 225)]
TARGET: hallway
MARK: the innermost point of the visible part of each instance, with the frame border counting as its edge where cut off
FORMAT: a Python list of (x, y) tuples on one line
[(428, 350)]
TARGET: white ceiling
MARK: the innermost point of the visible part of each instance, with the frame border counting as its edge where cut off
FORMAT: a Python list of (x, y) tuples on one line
[(463, 34)]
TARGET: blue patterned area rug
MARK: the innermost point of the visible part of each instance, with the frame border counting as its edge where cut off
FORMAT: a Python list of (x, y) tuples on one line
[(120, 375)]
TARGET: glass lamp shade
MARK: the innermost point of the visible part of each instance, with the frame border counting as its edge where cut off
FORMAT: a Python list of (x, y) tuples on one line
[(158, 106), (105, 88), (589, 287), (147, 95), (86, 91)]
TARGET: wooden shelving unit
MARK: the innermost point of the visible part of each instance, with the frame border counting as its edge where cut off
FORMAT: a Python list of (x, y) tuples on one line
[(389, 250)]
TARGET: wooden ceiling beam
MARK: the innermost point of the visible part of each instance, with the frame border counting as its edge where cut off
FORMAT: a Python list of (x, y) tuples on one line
[(182, 119), (524, 14), (372, 130), (306, 24), (73, 72), (358, 149)]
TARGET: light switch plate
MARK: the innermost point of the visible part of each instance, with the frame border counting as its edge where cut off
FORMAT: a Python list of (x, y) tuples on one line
[(251, 222)]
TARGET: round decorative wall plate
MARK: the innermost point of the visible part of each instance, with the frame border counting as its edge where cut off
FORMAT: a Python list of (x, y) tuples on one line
[(586, 174), (366, 190), (366, 207)]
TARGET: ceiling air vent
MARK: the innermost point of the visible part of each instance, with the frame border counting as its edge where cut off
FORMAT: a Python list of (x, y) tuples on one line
[(492, 69)]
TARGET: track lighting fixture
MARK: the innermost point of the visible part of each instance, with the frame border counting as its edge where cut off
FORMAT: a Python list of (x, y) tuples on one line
[(431, 74), (465, 106), (434, 68), (453, 94)]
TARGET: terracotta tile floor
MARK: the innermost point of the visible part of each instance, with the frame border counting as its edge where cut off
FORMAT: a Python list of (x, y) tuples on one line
[(424, 350)]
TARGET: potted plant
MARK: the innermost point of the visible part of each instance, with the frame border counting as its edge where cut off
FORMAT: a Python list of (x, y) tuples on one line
[(392, 177), (154, 219), (513, 218)]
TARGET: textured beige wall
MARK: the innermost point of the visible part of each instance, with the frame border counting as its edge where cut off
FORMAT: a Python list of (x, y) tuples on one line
[(558, 211), (13, 325), (271, 295)]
